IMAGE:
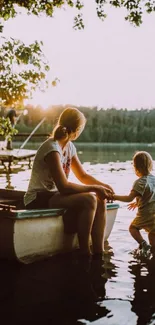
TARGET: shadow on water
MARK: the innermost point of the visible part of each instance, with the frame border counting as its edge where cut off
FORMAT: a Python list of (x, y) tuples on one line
[(143, 303), (8, 180), (58, 290)]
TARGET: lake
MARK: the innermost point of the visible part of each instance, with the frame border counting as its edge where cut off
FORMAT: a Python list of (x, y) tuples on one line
[(121, 291)]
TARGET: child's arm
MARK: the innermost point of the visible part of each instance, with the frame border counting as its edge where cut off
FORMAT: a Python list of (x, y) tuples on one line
[(125, 198)]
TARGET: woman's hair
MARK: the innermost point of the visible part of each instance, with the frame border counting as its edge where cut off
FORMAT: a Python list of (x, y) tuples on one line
[(143, 162), (70, 120)]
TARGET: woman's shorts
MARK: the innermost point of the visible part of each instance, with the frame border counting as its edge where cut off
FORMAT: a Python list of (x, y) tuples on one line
[(41, 201)]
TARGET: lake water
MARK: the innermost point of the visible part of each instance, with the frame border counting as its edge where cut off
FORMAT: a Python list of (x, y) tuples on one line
[(55, 291)]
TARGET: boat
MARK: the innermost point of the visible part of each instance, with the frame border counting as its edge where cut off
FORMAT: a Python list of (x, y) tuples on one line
[(28, 235)]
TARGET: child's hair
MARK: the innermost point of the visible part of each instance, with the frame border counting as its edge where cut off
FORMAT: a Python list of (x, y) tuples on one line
[(142, 161), (70, 120)]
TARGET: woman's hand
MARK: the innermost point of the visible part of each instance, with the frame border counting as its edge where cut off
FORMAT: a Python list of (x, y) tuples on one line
[(132, 205), (109, 188), (104, 193)]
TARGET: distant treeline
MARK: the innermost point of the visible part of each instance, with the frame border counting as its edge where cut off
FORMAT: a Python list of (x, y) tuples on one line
[(103, 125)]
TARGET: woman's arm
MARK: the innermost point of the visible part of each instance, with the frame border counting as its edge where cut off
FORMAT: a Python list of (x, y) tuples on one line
[(125, 198), (83, 177), (64, 186)]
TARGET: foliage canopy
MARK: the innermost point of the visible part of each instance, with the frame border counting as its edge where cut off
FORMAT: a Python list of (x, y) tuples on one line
[(134, 8), (22, 69)]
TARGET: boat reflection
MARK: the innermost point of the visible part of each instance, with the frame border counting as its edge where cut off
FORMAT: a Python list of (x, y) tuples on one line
[(58, 290), (53, 291)]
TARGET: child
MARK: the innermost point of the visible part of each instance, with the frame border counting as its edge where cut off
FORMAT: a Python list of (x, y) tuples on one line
[(144, 191)]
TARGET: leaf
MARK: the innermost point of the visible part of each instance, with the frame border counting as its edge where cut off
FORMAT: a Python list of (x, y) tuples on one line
[(6, 128), (54, 83), (16, 87)]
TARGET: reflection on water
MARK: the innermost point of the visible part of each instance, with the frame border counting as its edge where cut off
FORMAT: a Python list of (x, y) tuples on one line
[(60, 291), (53, 291), (118, 291), (103, 153), (110, 153), (143, 303), (110, 269)]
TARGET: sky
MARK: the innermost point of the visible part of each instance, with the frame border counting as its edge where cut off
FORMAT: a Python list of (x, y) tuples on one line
[(108, 64)]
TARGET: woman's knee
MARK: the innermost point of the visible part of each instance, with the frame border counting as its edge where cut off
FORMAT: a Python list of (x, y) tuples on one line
[(151, 237), (89, 201), (101, 204)]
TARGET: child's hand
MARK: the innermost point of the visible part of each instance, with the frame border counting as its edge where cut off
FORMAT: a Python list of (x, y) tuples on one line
[(132, 205)]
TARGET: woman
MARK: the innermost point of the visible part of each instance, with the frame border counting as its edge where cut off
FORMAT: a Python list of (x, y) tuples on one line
[(49, 185)]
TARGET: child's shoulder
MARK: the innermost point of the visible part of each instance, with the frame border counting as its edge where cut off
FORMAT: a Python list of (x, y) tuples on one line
[(151, 178), (141, 180)]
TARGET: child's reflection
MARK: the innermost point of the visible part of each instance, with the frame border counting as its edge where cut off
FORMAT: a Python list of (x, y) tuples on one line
[(143, 303)]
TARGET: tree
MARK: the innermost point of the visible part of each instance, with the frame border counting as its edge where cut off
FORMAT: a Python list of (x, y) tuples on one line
[(18, 84), (22, 70), (7, 130)]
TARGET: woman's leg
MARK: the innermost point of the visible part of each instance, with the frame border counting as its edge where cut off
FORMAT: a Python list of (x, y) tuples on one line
[(99, 227), (151, 237), (135, 233), (83, 207)]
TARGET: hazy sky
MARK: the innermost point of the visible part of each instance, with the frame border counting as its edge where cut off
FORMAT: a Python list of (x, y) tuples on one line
[(109, 63)]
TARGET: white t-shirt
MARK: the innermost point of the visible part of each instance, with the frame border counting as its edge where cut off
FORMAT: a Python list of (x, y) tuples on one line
[(41, 178)]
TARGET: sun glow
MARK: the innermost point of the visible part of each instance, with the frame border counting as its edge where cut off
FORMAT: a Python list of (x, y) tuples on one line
[(97, 66)]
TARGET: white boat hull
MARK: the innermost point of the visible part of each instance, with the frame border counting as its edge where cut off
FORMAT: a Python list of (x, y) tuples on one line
[(27, 237)]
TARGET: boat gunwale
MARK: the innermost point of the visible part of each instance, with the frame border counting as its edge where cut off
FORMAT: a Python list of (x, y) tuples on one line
[(41, 213)]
